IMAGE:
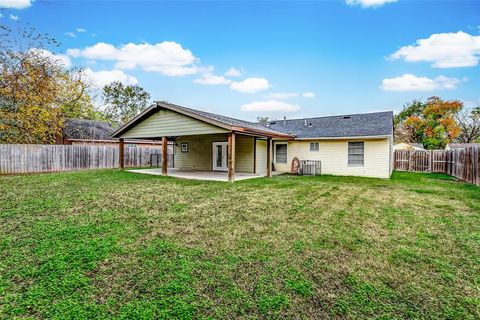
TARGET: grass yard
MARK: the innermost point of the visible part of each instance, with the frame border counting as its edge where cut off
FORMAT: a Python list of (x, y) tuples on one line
[(104, 244)]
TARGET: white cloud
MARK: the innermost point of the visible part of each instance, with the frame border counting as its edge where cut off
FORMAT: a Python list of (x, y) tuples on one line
[(271, 105), (308, 94), (167, 58), (232, 72), (60, 58), (102, 78), (368, 3), (289, 95), (14, 17), (443, 50), (250, 85), (79, 30), (281, 95), (211, 79), (15, 4), (71, 34), (410, 82)]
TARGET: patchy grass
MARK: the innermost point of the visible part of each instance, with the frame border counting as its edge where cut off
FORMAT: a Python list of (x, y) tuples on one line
[(113, 244)]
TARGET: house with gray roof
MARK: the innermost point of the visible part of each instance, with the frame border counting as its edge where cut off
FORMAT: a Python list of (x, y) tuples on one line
[(212, 145)]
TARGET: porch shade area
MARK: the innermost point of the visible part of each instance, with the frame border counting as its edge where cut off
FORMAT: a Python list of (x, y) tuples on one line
[(204, 141)]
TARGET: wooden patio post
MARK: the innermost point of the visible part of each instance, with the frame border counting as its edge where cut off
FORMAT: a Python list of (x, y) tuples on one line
[(121, 158), (164, 156), (269, 157), (231, 157)]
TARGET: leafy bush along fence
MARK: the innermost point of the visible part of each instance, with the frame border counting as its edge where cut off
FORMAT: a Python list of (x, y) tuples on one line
[(463, 164), (31, 158)]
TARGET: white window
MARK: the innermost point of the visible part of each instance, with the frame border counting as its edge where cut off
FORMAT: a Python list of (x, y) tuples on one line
[(356, 154), (281, 153), (314, 146)]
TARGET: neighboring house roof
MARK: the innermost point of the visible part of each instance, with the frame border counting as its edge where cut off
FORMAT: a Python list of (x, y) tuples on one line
[(417, 145), (87, 129), (408, 146), (353, 125), (212, 118), (459, 145)]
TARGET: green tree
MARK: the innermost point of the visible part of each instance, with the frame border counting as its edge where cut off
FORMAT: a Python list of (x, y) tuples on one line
[(404, 133), (263, 120), (124, 102)]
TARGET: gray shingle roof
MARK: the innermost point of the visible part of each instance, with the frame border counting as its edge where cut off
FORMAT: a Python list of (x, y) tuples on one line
[(87, 129), (228, 120), (353, 125), (461, 145)]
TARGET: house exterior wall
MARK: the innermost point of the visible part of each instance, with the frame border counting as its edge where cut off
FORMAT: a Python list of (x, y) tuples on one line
[(261, 157), (244, 154), (169, 123), (200, 153), (334, 157)]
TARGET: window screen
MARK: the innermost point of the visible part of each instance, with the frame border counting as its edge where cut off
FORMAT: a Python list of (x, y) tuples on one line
[(355, 153), (314, 146), (281, 153)]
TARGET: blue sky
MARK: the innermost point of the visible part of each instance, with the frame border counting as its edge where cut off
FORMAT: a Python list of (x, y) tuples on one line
[(289, 58)]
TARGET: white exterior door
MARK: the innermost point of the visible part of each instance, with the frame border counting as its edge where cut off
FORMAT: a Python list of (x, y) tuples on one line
[(220, 155)]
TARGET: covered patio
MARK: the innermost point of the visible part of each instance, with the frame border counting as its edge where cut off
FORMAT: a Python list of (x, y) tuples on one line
[(207, 146)]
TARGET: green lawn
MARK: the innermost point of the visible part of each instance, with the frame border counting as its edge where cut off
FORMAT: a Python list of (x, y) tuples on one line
[(105, 244)]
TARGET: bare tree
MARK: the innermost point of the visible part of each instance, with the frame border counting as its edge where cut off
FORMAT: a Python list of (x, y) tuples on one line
[(469, 122)]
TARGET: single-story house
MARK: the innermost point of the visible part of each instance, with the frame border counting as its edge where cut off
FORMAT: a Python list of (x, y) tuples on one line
[(357, 144), (408, 146)]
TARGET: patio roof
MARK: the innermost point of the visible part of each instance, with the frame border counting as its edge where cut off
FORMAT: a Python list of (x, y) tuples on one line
[(228, 123)]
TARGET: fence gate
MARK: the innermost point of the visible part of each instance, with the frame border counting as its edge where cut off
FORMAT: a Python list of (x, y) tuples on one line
[(463, 163), (420, 161)]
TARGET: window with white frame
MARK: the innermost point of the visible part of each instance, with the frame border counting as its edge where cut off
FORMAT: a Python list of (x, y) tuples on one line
[(281, 153), (356, 153), (314, 146)]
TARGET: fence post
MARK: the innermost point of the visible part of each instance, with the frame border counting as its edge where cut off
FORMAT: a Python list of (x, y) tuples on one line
[(430, 157), (121, 159), (410, 160)]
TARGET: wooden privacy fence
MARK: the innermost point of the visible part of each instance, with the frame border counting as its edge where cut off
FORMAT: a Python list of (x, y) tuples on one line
[(463, 164), (31, 158)]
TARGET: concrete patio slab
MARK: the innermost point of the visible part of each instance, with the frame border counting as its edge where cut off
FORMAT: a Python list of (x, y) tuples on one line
[(198, 175)]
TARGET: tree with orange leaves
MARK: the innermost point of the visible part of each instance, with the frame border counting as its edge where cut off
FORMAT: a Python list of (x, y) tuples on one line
[(435, 125), (37, 91)]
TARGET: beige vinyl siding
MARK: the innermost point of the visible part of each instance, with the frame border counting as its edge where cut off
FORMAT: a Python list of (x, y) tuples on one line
[(200, 153), (244, 154), (334, 157), (170, 123), (261, 157)]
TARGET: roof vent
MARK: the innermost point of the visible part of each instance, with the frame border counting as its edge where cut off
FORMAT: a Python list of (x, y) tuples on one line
[(346, 117), (310, 124), (284, 120), (305, 121)]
